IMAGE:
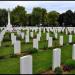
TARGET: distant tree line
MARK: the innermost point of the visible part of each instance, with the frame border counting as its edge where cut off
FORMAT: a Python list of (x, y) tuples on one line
[(38, 17)]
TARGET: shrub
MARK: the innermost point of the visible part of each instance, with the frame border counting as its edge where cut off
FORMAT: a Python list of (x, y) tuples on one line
[(2, 57), (7, 45), (58, 70), (7, 37), (31, 51), (69, 65)]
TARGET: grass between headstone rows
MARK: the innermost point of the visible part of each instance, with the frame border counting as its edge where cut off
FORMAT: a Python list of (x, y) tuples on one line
[(42, 60)]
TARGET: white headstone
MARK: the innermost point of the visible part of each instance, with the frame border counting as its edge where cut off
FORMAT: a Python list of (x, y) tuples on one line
[(35, 43), (26, 64), (50, 42), (1, 37), (66, 31), (73, 52), (70, 38), (61, 40), (47, 36), (22, 35), (12, 35), (56, 58), (13, 38), (17, 47), (43, 30), (26, 38), (31, 33)]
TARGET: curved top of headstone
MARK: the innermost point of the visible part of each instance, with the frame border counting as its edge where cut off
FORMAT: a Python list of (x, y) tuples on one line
[(57, 49)]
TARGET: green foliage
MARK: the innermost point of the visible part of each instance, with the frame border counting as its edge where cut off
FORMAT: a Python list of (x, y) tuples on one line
[(7, 37), (32, 50), (58, 70), (3, 17), (18, 16), (52, 18), (67, 18), (38, 16)]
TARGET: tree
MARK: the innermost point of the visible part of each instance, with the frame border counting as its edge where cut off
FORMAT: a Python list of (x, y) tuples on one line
[(68, 18), (18, 16), (73, 19), (3, 17), (52, 18), (61, 19), (28, 19), (44, 16), (38, 16)]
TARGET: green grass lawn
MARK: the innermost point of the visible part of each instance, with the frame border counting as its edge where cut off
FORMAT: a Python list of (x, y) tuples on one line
[(42, 60)]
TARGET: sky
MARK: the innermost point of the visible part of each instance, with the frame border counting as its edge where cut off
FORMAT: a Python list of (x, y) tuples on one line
[(59, 6)]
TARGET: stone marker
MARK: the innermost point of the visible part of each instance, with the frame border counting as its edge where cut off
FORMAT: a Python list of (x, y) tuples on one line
[(26, 64), (35, 43), (70, 38), (12, 36), (13, 39), (17, 47), (31, 34), (73, 52), (50, 42), (38, 37), (26, 38), (61, 40), (22, 35), (1, 37), (47, 36), (56, 58), (66, 31), (43, 30)]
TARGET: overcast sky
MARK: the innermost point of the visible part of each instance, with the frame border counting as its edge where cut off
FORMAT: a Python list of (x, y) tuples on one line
[(59, 6)]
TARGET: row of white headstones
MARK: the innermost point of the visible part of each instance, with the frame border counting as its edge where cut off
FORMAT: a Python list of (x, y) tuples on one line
[(26, 61), (35, 41), (17, 45), (26, 66)]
